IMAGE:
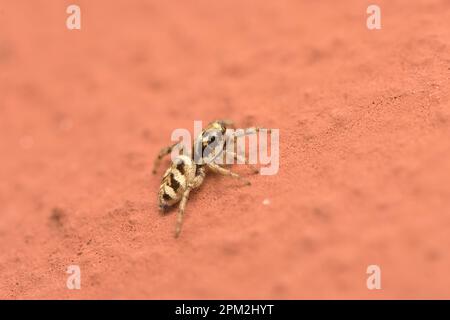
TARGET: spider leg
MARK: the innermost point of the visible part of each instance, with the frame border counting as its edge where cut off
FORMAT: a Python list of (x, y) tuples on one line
[(225, 172), (245, 160), (180, 214), (196, 182), (243, 133), (249, 131), (164, 152), (226, 122)]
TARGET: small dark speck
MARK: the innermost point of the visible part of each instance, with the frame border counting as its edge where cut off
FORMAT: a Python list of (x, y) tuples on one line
[(146, 134), (57, 216), (432, 255), (320, 213)]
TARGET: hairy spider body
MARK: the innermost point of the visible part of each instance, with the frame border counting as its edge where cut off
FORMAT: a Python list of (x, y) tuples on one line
[(185, 174), (178, 181), (175, 181)]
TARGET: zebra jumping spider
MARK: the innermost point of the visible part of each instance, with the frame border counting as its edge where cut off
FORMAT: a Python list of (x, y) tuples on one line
[(185, 174)]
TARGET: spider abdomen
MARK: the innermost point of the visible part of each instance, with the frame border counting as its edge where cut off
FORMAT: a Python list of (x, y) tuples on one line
[(175, 181)]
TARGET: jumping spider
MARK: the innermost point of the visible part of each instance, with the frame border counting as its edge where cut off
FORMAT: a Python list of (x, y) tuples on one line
[(184, 174)]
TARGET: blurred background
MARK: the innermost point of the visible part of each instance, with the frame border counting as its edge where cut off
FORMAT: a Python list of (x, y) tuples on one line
[(364, 173)]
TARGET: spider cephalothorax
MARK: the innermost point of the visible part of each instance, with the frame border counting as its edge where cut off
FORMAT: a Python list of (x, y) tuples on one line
[(185, 174)]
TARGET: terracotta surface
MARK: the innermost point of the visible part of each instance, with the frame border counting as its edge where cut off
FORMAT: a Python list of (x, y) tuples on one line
[(364, 119)]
